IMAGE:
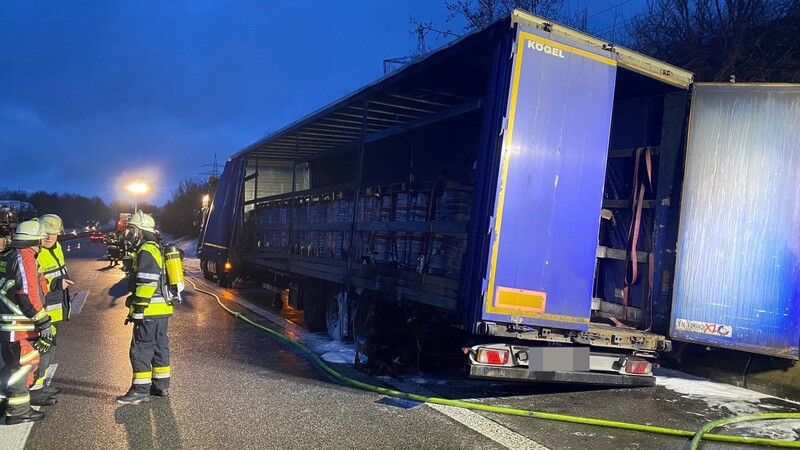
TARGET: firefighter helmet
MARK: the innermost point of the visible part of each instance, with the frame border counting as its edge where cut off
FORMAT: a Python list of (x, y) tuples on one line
[(52, 224), (142, 221), (30, 230)]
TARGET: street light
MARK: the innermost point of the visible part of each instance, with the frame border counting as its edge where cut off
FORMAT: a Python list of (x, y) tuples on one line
[(137, 188)]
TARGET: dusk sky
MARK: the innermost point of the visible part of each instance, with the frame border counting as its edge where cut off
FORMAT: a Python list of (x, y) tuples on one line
[(96, 94)]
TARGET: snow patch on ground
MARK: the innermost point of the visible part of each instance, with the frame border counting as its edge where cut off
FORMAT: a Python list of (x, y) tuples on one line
[(735, 400)]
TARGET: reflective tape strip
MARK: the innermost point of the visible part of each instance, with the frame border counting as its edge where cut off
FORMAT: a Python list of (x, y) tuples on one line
[(54, 307), (142, 381), (52, 273), (17, 327), (13, 307), (10, 318), (148, 276), (39, 384), (161, 372), (20, 400), (29, 357), (158, 299), (142, 375), (159, 376), (13, 379), (137, 316)]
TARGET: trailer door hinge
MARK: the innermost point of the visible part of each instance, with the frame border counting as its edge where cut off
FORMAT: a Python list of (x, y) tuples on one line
[(504, 126), (491, 225)]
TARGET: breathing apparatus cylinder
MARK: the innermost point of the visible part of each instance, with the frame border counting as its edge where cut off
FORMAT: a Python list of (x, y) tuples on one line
[(172, 262)]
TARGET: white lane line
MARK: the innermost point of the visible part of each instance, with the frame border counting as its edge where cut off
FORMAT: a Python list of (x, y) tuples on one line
[(472, 420), (14, 437), (485, 426), (78, 300), (91, 275)]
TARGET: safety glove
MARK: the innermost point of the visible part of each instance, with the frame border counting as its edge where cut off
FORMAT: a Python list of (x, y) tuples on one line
[(45, 328), (136, 316), (46, 337)]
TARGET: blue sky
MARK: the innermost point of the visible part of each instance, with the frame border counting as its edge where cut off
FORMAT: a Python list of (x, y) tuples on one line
[(95, 94)]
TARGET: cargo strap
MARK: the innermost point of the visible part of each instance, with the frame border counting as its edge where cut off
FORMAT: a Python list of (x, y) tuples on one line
[(631, 259)]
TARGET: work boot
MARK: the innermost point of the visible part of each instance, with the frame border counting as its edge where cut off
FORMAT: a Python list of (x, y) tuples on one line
[(159, 392), (31, 415), (51, 390), (41, 398), (133, 397)]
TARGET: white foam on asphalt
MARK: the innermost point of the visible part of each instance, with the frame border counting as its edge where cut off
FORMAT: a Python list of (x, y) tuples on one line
[(334, 351), (733, 401)]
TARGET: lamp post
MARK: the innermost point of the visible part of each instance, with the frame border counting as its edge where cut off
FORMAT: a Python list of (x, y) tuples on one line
[(137, 188)]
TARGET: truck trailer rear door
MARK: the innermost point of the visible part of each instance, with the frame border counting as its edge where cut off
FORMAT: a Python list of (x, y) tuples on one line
[(737, 282), (549, 192)]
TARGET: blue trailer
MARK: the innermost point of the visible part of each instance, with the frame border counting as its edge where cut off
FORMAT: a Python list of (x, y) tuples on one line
[(522, 194)]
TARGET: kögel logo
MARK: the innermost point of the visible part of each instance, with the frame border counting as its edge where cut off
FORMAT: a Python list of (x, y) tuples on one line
[(539, 47)]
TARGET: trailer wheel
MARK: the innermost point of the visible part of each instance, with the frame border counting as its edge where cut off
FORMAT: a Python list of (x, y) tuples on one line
[(204, 267), (314, 306), (333, 313), (222, 276), (363, 337)]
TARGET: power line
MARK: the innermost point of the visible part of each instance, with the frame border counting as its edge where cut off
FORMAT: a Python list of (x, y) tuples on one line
[(609, 8)]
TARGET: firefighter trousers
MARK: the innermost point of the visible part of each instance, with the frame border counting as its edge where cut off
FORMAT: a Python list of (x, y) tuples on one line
[(20, 360), (45, 361), (150, 355)]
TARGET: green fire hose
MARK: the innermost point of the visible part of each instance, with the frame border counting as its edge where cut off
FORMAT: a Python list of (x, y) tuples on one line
[(696, 437)]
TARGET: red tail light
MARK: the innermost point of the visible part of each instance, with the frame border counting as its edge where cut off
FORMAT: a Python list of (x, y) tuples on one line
[(492, 356), (639, 367), (228, 265)]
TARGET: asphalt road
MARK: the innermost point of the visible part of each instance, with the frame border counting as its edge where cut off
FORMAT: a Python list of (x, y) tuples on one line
[(233, 386)]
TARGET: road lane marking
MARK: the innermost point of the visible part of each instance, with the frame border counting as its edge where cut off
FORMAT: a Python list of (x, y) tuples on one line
[(91, 275), (76, 305), (472, 420)]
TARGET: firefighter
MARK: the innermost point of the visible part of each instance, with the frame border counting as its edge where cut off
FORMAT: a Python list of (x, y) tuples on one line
[(149, 310), (53, 266), (114, 244), (25, 327)]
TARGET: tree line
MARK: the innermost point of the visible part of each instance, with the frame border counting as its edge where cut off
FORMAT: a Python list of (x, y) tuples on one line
[(178, 217), (717, 40)]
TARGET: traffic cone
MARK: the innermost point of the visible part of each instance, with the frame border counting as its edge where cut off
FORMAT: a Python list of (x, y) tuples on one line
[(68, 249)]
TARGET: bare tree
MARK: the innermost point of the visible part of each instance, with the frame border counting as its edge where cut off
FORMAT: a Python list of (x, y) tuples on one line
[(474, 14), (748, 40)]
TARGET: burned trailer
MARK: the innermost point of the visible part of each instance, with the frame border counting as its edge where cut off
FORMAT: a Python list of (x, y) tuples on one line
[(515, 195)]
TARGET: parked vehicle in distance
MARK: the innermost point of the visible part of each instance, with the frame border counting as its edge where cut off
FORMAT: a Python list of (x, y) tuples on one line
[(97, 236)]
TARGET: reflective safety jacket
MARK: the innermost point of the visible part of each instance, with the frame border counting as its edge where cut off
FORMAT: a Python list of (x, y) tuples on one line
[(22, 293), (147, 282), (52, 266)]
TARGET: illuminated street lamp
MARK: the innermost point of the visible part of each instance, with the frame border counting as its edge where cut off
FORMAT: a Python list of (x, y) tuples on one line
[(137, 188)]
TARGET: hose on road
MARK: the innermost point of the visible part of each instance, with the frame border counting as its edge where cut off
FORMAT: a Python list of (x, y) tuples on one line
[(695, 436)]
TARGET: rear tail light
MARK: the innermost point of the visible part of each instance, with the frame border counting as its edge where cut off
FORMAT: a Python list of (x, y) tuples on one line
[(639, 367), (228, 265), (492, 356)]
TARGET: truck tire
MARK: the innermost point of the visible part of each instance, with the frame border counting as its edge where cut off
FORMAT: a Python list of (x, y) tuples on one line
[(222, 277), (333, 314), (363, 338), (206, 274), (314, 306)]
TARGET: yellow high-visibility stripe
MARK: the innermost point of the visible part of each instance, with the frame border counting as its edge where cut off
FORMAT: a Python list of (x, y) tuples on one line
[(20, 400), (13, 379), (161, 369), (142, 374), (29, 357)]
